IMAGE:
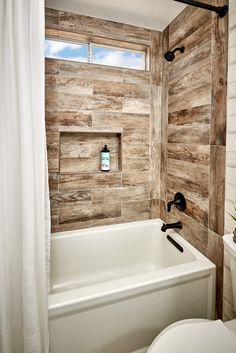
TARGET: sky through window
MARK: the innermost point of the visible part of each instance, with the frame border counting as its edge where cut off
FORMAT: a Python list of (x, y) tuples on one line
[(110, 56)]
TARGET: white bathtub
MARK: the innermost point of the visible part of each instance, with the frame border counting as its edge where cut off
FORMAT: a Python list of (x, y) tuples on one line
[(114, 288)]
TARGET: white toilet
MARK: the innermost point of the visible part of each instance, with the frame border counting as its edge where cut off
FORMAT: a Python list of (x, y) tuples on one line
[(198, 335)]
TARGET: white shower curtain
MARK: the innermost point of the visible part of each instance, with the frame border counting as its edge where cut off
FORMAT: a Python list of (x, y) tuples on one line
[(24, 207)]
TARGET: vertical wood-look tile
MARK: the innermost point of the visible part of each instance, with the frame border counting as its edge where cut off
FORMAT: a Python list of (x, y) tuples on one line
[(217, 189)]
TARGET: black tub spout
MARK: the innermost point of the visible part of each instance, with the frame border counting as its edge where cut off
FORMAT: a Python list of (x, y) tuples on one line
[(177, 225)]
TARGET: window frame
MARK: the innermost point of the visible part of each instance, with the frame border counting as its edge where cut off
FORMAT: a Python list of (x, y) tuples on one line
[(77, 38)]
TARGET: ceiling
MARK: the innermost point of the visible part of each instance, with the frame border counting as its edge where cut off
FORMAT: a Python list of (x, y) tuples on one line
[(153, 14)]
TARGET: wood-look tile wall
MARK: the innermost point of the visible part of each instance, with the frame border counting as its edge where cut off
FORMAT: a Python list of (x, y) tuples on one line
[(94, 97), (230, 194), (194, 130)]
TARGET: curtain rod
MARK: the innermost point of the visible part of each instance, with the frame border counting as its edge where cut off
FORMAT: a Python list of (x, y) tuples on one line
[(220, 10)]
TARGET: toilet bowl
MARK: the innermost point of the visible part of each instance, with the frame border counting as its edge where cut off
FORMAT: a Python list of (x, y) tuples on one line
[(199, 335), (196, 336)]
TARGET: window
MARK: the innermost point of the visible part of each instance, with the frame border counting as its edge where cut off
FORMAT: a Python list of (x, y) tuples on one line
[(96, 54), (56, 49), (129, 59)]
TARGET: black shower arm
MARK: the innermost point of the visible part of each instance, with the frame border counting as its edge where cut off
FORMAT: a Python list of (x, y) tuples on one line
[(220, 10), (178, 49)]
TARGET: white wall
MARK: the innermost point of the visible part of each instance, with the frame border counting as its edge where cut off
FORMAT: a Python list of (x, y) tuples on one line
[(231, 121), (230, 197)]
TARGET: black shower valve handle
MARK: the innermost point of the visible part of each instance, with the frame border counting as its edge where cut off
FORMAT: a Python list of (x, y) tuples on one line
[(179, 201), (170, 203)]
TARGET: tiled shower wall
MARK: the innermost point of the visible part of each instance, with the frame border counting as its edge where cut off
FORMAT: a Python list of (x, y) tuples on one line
[(230, 195), (89, 105), (184, 151), (194, 130)]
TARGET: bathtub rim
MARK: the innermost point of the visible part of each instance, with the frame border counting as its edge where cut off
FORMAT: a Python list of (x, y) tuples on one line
[(98, 294)]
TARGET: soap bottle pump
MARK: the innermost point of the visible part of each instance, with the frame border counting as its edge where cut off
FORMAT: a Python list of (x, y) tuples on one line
[(105, 159)]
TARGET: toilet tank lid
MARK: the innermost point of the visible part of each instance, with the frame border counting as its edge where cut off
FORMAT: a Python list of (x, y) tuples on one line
[(202, 337)]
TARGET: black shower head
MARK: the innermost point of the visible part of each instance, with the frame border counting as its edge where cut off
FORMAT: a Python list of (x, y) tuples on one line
[(170, 55)]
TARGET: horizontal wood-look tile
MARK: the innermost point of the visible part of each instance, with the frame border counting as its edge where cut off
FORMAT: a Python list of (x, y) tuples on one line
[(77, 23), (138, 106), (52, 138), (136, 136), (73, 102), (106, 221), (193, 231), (123, 194), (191, 117), (51, 101), (105, 73), (189, 134), (98, 96), (130, 178), (88, 213), (70, 226), (71, 198), (193, 60), (89, 25), (193, 191), (197, 173), (133, 208), (51, 18), (136, 217), (136, 34), (175, 27), (121, 89), (80, 151), (87, 144), (135, 164), (194, 98), (70, 182), (191, 80), (111, 195), (52, 66), (135, 193), (74, 85), (65, 118), (53, 181), (190, 27), (51, 82), (136, 149), (197, 154), (196, 40), (195, 209), (127, 121)]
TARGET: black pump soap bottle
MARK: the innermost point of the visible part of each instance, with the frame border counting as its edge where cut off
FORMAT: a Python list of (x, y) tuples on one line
[(105, 159)]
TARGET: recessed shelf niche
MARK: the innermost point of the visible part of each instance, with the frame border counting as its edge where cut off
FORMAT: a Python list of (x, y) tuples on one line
[(80, 149)]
